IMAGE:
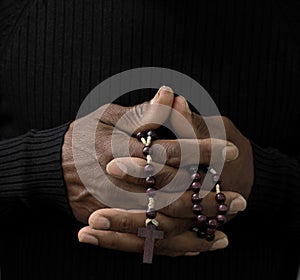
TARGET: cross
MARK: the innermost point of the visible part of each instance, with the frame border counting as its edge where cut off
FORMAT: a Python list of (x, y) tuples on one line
[(150, 233)]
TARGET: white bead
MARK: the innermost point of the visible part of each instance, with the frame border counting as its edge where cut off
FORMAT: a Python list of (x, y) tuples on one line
[(212, 171), (149, 159), (151, 203), (143, 140)]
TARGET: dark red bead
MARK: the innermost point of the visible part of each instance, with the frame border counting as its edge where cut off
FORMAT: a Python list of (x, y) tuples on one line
[(193, 169), (149, 169), (196, 176), (146, 151), (151, 192), (220, 197), (196, 198), (216, 178), (221, 219), (201, 220), (223, 208), (140, 135), (150, 181), (152, 134), (210, 231), (212, 223), (197, 209), (151, 214), (195, 186), (210, 237)]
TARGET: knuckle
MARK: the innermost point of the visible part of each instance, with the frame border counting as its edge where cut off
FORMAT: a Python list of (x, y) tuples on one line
[(111, 114), (206, 150), (165, 178), (135, 148), (200, 126), (124, 224), (172, 152)]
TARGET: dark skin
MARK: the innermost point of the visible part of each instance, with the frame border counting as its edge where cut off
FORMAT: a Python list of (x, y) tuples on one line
[(106, 119), (118, 230)]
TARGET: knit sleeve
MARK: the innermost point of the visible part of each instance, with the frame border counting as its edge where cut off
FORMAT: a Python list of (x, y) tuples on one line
[(31, 180), (274, 199)]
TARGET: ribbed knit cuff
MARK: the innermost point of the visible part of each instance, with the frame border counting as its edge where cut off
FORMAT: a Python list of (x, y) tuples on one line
[(273, 199), (31, 174)]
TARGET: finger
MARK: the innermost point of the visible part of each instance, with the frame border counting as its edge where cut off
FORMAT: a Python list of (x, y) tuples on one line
[(175, 153), (190, 151), (114, 240), (127, 221), (135, 170), (183, 152), (188, 242), (182, 207), (145, 116), (182, 244), (202, 127)]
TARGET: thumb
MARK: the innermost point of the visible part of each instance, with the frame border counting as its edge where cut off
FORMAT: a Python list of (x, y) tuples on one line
[(145, 116), (182, 118)]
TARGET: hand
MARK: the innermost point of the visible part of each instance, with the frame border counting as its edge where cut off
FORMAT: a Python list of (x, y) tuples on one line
[(237, 174), (117, 229), (78, 156)]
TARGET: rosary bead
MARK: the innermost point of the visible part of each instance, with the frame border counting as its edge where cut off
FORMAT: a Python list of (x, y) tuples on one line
[(193, 169), (151, 192), (197, 209), (150, 213), (150, 181), (149, 169), (212, 223), (220, 198), (216, 178), (146, 151), (206, 227), (223, 208), (210, 237), (201, 219), (195, 187), (196, 176), (149, 232), (210, 231), (140, 135), (221, 219), (152, 134), (196, 198)]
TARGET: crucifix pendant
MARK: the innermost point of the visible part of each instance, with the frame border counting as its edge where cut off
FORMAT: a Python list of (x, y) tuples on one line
[(150, 233)]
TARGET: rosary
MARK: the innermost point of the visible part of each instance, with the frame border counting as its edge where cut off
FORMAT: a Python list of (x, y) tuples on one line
[(205, 226)]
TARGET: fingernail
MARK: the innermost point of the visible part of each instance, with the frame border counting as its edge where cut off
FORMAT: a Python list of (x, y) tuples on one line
[(238, 204), (184, 103), (230, 153), (161, 90), (116, 169), (191, 254), (165, 88), (87, 238), (100, 223), (219, 244)]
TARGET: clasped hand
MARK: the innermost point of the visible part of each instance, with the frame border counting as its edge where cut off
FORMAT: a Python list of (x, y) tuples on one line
[(116, 228)]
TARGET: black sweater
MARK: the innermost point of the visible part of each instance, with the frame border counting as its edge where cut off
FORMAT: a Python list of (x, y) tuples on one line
[(52, 53)]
